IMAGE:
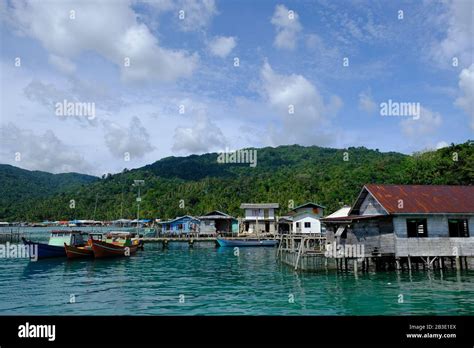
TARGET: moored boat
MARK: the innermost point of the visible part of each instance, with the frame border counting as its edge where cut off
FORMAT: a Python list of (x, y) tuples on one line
[(250, 242), (55, 246), (82, 251), (116, 244)]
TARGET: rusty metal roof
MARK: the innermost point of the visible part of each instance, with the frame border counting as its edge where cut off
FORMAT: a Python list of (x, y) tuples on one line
[(423, 199)]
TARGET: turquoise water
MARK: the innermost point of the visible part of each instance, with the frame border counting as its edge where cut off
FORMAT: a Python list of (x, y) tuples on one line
[(206, 280)]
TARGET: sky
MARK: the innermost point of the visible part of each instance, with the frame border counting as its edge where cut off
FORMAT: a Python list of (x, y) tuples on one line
[(173, 78)]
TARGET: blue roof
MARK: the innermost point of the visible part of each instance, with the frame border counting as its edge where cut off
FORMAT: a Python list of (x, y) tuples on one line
[(180, 218)]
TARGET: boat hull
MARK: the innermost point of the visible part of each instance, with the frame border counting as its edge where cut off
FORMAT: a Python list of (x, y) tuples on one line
[(102, 249), (74, 252), (46, 251), (247, 242)]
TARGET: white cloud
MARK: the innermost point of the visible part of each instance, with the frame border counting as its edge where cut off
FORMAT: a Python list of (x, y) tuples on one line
[(133, 139), (203, 136), (286, 93), (428, 122), (466, 86), (63, 64), (458, 41), (123, 37), (441, 144), (197, 13), (366, 102), (44, 152), (287, 27), (221, 46)]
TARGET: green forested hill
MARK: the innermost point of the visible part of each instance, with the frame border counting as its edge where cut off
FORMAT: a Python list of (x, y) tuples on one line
[(18, 186), (283, 174)]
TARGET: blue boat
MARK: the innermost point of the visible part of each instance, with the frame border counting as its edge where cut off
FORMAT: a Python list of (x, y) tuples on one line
[(247, 242), (55, 246)]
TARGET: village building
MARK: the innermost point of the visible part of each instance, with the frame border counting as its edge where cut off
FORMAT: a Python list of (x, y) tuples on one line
[(306, 218), (302, 219), (218, 223), (285, 224), (344, 211), (183, 225), (404, 221), (259, 218)]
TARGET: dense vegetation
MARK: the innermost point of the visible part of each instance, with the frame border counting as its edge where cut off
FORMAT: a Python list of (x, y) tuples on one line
[(18, 186), (283, 174)]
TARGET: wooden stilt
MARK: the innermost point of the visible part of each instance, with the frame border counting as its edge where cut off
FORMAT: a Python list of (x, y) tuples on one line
[(409, 263), (458, 263)]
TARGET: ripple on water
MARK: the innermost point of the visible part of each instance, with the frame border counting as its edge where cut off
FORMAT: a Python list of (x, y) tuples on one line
[(214, 281)]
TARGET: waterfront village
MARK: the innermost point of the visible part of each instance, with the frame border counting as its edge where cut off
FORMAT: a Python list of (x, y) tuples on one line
[(387, 227)]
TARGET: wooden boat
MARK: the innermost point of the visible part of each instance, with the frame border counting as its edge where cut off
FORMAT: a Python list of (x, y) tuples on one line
[(55, 246), (75, 252), (251, 242), (82, 251), (116, 244)]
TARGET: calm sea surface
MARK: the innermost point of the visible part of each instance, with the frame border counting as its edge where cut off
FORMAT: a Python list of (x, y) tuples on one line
[(206, 280)]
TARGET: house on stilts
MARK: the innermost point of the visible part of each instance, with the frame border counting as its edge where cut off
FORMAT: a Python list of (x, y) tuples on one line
[(409, 225)]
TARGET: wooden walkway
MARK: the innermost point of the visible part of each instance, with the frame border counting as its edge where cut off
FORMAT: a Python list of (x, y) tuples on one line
[(303, 251)]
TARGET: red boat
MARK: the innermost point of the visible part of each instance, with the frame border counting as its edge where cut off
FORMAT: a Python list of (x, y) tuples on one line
[(117, 244), (82, 251)]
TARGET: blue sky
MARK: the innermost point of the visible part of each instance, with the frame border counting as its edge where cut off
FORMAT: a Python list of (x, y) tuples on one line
[(290, 54)]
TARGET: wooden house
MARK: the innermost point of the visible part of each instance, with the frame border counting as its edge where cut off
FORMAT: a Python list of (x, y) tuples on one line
[(217, 222), (306, 218), (181, 225), (259, 218), (403, 221)]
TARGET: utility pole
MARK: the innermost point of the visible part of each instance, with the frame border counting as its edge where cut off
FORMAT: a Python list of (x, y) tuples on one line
[(138, 183)]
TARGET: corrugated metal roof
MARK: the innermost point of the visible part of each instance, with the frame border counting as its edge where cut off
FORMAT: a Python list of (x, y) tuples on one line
[(349, 218), (259, 205), (344, 211), (424, 199), (309, 204)]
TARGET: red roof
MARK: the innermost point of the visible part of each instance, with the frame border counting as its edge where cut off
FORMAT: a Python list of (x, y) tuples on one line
[(435, 199)]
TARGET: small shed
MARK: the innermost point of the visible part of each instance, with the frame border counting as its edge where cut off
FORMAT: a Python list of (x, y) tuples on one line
[(217, 222)]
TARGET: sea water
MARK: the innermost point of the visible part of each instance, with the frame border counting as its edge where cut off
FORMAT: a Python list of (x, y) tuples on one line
[(205, 280)]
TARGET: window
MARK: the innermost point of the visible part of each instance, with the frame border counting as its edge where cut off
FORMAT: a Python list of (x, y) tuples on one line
[(458, 228), (297, 225), (307, 225), (180, 226), (416, 228)]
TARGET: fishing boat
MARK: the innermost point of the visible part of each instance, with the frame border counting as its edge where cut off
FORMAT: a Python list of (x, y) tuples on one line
[(116, 244), (82, 251), (55, 246), (248, 242)]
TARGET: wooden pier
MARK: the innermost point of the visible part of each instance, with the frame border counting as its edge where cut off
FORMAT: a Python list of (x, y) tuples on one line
[(304, 252), (191, 240), (309, 253)]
